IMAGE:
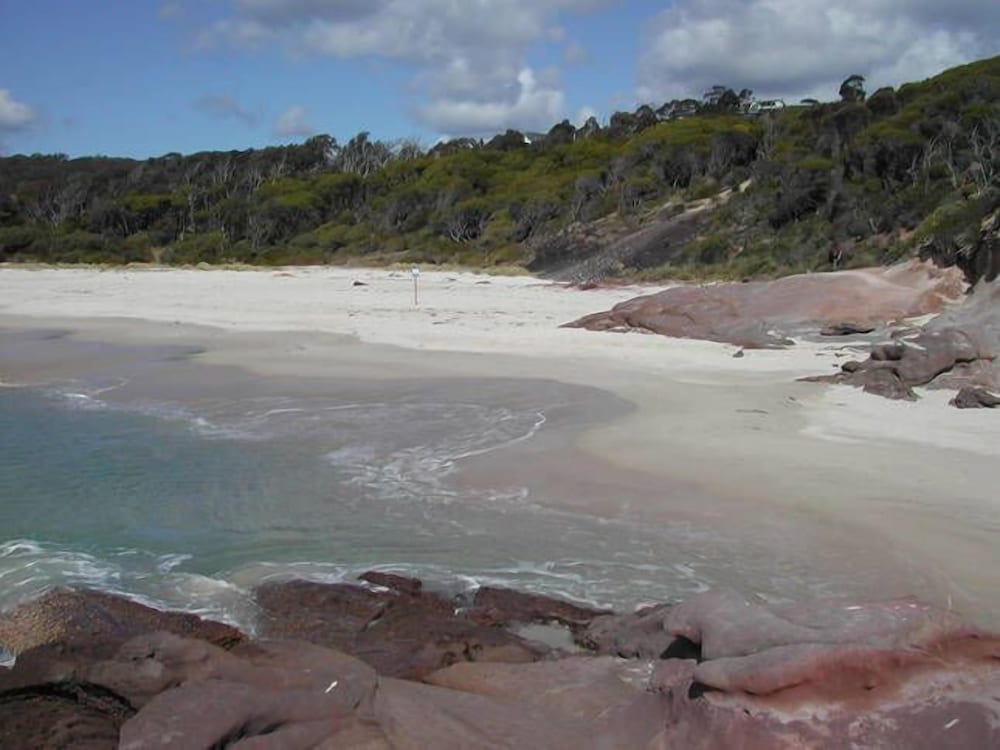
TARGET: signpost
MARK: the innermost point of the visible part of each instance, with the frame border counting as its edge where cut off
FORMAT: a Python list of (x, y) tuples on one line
[(415, 273)]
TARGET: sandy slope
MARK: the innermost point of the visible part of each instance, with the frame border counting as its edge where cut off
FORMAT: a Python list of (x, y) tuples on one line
[(921, 476)]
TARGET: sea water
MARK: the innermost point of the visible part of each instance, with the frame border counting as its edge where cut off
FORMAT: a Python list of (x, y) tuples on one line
[(190, 501)]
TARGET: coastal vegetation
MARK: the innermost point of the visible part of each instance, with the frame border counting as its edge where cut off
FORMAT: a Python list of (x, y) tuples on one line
[(739, 189)]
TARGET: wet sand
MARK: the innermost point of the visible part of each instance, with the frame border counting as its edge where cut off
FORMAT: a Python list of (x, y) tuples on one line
[(899, 496)]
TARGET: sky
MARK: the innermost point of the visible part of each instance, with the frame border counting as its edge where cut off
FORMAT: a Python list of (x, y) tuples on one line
[(142, 78)]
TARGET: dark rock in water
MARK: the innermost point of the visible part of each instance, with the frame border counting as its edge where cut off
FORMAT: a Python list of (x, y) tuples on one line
[(99, 622), (401, 584), (639, 635), (58, 636), (497, 606), (411, 641), (331, 615), (740, 354), (405, 635), (67, 715), (846, 328), (975, 398), (359, 283)]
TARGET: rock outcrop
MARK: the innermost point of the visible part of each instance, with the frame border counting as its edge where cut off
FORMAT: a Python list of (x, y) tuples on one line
[(401, 632), (715, 671), (975, 398), (957, 349), (762, 314)]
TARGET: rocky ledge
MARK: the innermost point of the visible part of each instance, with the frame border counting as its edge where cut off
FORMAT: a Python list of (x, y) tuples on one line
[(762, 314), (955, 350), (386, 664)]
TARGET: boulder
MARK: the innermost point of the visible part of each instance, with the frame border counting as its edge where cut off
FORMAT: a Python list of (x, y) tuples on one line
[(150, 664), (499, 606), (611, 695), (219, 713), (894, 368), (399, 634), (64, 630), (715, 671), (639, 635), (69, 714), (975, 398), (331, 615), (828, 674), (398, 583), (761, 314), (727, 625), (414, 717), (957, 349)]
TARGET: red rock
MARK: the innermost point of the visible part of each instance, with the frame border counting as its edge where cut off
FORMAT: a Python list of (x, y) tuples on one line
[(400, 635), (218, 713), (57, 636), (415, 717), (609, 694), (638, 635), (83, 616), (149, 664), (750, 314), (498, 606), (400, 584), (68, 715)]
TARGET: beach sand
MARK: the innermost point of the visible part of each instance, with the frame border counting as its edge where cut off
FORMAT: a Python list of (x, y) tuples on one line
[(900, 491)]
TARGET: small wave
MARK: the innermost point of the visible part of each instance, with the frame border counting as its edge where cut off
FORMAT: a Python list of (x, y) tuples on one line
[(29, 568)]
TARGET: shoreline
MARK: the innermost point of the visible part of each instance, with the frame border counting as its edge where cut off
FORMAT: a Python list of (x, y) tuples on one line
[(741, 431)]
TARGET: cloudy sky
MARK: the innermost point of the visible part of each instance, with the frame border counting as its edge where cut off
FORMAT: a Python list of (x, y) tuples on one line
[(144, 77)]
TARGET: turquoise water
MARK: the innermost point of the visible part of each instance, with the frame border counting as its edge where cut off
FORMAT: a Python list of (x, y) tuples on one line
[(188, 511), (192, 487)]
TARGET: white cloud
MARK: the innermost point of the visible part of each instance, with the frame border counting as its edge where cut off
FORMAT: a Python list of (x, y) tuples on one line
[(294, 121), (14, 115), (797, 48), (535, 107), (468, 58)]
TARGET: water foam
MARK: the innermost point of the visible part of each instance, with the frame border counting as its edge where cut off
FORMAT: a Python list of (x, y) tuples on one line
[(29, 568)]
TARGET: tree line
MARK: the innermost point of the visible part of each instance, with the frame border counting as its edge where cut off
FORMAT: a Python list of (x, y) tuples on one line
[(819, 174)]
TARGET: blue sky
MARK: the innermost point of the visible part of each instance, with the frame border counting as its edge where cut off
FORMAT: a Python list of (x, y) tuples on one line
[(145, 77)]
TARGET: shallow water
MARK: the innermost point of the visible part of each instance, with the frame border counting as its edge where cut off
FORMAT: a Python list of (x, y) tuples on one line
[(185, 485)]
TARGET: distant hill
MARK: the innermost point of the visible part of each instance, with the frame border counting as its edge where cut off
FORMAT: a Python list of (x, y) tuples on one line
[(722, 186)]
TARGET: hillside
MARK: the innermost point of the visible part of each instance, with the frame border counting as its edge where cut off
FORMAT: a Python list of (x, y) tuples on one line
[(721, 187)]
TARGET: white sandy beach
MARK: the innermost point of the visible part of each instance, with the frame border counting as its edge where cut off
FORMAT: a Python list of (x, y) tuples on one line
[(920, 477)]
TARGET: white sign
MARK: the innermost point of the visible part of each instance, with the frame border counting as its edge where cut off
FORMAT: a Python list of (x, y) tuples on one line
[(415, 272)]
